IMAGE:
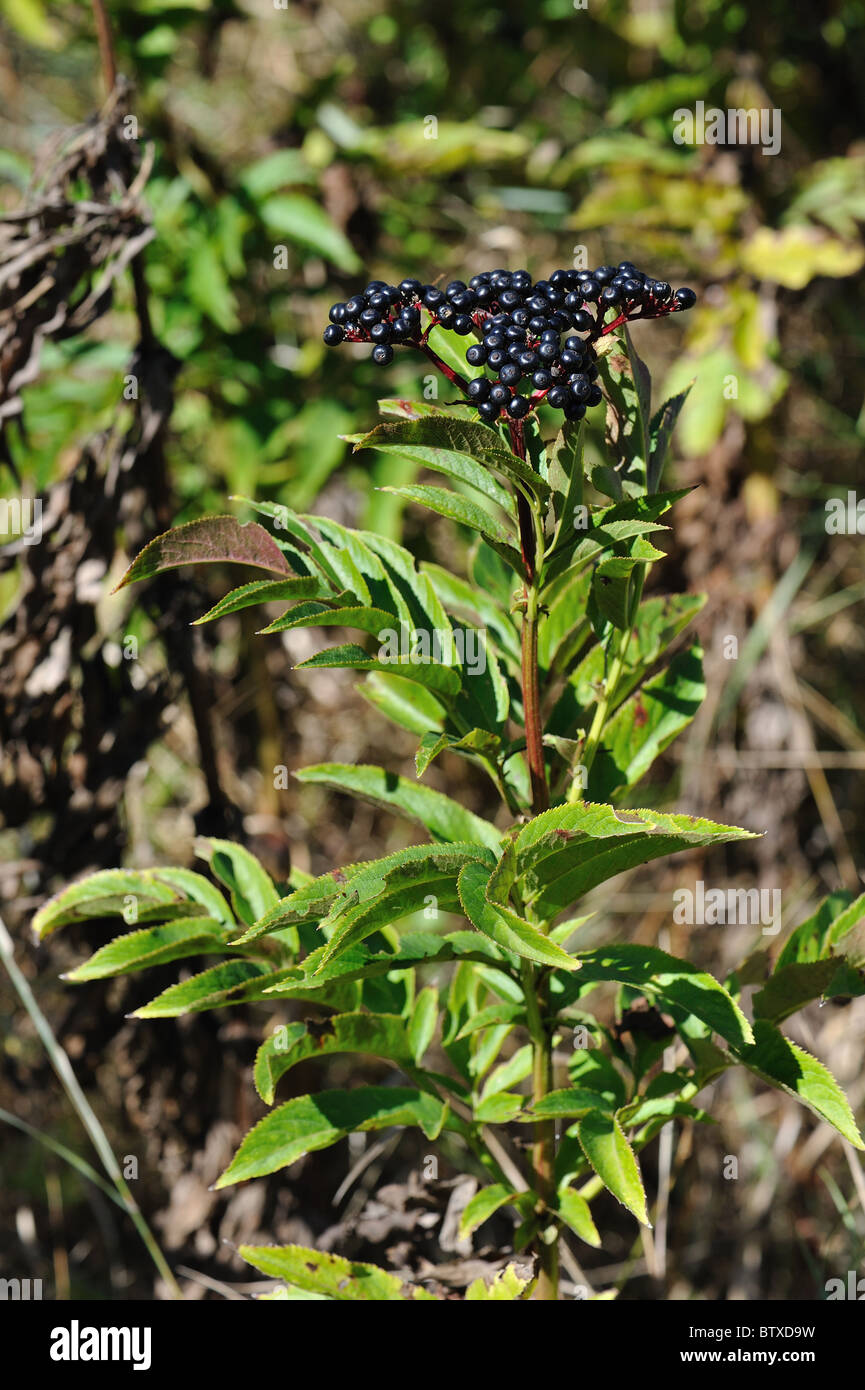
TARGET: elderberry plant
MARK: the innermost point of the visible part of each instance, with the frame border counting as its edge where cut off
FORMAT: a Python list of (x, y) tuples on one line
[(583, 683)]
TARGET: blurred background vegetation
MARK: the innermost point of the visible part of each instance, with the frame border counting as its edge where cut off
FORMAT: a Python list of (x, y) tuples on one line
[(293, 160)]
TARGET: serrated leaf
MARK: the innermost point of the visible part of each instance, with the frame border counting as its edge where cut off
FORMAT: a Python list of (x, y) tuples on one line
[(373, 620), (461, 509), (574, 1210), (309, 1123), (103, 894), (357, 923), (442, 680), (431, 439), (676, 982), (660, 434), (263, 591), (444, 819), (609, 1153), (657, 623), (824, 931), (331, 1276), (569, 1103), (138, 950), (792, 987), (508, 1073), (405, 703), (483, 1205), (230, 983), (379, 1035), (566, 851), (782, 1063), (211, 540), (503, 926)]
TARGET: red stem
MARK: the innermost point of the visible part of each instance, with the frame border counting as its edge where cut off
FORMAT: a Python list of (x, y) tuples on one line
[(529, 640)]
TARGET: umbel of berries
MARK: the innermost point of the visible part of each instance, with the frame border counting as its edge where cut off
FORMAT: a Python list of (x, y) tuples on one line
[(533, 340)]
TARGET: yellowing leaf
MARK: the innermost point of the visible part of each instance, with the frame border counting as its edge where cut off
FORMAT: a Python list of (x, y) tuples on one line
[(796, 255)]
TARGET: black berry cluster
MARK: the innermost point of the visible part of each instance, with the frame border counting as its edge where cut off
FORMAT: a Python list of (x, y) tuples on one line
[(538, 335)]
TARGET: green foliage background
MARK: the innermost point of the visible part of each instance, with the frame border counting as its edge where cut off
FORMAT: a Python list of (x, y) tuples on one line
[(308, 127)]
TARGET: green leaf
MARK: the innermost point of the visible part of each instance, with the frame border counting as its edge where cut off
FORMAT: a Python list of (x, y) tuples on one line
[(572, 1102), (660, 434), (566, 851), (308, 1123), (431, 440), (379, 1035), (782, 1063), (611, 588), (405, 703), (492, 1017), (299, 219), (445, 820), (657, 624), (263, 591), (386, 909), (104, 894), (476, 606), (824, 931), (461, 509), (443, 680), (477, 741), (609, 1153), (565, 476), (373, 620), (197, 889), (138, 950), (483, 1205), (507, 1287), (574, 1210), (498, 1109), (792, 987), (503, 926), (673, 981), (646, 724), (233, 982), (212, 540), (460, 466), (508, 1073), (252, 890), (422, 1024), (330, 1276)]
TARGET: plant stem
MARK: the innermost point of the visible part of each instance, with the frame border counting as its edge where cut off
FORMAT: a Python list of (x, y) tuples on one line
[(531, 703), (544, 1148), (529, 639)]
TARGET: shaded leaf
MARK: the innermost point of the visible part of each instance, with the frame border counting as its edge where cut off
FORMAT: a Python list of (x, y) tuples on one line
[(308, 1123)]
